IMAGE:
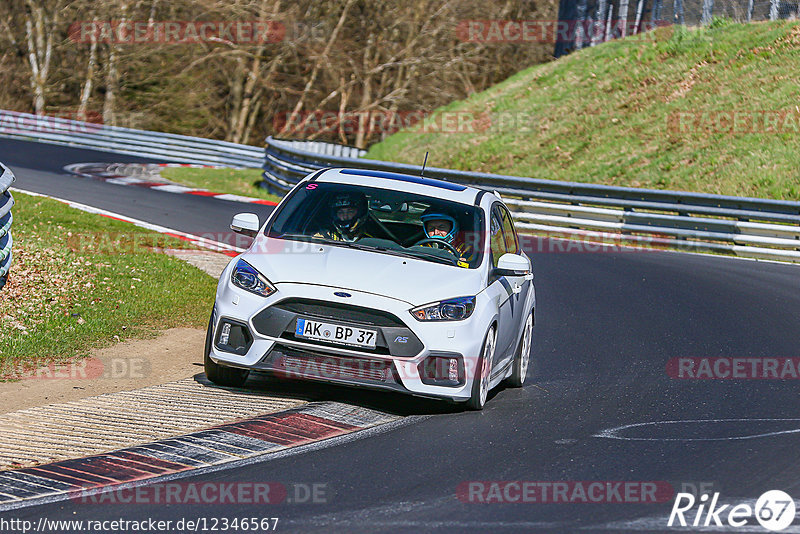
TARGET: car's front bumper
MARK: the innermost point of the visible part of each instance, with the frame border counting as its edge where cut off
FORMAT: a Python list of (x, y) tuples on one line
[(419, 366)]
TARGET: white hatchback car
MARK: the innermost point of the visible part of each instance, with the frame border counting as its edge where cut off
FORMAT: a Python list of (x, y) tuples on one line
[(378, 280)]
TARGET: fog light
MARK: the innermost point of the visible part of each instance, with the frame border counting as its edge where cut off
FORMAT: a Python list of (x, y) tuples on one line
[(225, 335), (452, 373), (442, 370), (233, 336)]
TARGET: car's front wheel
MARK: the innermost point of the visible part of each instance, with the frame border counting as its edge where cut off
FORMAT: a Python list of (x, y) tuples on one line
[(219, 374), (480, 382), (523, 357)]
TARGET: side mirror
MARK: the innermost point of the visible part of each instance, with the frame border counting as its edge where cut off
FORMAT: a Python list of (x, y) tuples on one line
[(245, 224), (512, 265)]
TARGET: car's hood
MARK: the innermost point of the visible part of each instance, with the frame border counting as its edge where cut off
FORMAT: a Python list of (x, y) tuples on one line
[(413, 281)]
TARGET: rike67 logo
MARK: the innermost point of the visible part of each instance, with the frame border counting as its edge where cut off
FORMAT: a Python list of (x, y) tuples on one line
[(774, 510)]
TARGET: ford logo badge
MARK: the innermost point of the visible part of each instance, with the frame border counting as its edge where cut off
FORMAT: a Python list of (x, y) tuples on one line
[(343, 294)]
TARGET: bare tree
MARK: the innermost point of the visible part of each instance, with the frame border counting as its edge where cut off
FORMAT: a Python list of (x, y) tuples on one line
[(41, 22), (86, 93), (623, 17)]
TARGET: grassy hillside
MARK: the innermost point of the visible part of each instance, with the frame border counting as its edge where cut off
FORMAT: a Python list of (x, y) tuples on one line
[(713, 110)]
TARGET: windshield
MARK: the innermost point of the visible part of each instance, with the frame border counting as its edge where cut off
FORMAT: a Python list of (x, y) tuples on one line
[(383, 221)]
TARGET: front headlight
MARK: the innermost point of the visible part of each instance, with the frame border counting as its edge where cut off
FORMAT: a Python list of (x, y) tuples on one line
[(245, 276), (447, 310)]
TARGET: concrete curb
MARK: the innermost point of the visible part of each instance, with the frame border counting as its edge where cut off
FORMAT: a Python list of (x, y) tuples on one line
[(226, 443)]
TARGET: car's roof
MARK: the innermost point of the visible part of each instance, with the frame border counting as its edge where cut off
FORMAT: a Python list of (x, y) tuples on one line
[(402, 182)]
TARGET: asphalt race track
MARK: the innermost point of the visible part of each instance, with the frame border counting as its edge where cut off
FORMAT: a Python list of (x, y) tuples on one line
[(607, 325)]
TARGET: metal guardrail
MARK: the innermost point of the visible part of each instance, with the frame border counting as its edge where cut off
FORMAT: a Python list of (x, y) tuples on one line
[(748, 227), (156, 145), (6, 203)]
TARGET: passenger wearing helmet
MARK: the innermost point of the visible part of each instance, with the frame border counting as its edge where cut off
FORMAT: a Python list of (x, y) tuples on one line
[(438, 224), (348, 213)]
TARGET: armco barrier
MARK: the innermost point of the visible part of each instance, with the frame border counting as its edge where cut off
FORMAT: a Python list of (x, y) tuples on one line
[(6, 203), (156, 145), (748, 227)]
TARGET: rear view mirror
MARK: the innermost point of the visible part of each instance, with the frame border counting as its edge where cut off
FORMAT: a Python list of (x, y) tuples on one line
[(245, 224), (388, 207)]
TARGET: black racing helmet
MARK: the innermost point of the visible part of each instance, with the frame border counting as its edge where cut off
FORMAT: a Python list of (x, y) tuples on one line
[(357, 201)]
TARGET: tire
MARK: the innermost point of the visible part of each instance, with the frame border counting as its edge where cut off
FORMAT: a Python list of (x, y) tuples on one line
[(480, 382), (220, 374), (523, 356)]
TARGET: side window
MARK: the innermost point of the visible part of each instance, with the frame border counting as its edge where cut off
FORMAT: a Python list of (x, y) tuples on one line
[(509, 232), (497, 242)]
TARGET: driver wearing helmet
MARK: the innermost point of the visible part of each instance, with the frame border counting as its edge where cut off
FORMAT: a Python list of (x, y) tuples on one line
[(348, 212), (438, 224)]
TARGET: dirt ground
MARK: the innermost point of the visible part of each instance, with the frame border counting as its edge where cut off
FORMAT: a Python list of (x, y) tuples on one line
[(175, 354)]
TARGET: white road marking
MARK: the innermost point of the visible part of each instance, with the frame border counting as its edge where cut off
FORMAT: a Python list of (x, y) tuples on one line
[(613, 433)]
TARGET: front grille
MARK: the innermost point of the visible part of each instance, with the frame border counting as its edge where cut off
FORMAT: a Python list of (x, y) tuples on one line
[(302, 364), (339, 312)]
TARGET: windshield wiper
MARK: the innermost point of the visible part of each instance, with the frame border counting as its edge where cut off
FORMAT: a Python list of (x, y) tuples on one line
[(439, 259)]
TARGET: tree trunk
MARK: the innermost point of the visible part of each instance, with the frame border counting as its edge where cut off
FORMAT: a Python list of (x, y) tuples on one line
[(112, 77), (87, 85), (315, 71), (637, 27), (708, 12), (599, 22), (580, 36), (623, 18), (39, 31), (677, 12), (656, 14), (240, 114), (112, 83)]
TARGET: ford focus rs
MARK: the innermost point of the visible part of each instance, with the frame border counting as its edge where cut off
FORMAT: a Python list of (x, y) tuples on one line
[(378, 280)]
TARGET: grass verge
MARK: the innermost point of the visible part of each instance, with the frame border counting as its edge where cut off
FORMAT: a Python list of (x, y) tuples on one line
[(235, 181), (710, 109), (81, 281)]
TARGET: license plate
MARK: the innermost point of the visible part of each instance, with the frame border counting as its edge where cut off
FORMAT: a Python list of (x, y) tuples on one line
[(335, 333)]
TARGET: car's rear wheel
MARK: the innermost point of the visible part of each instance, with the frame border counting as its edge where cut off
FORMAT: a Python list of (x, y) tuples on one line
[(483, 371), (220, 374), (522, 359)]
